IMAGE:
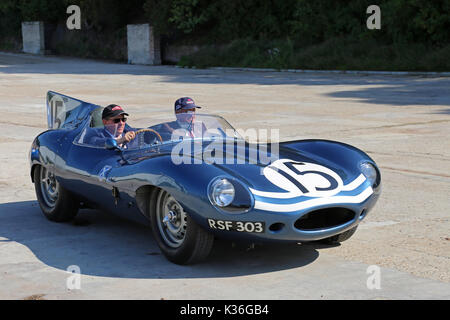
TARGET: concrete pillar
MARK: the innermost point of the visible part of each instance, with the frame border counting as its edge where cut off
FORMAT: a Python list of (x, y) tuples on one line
[(33, 37), (143, 46)]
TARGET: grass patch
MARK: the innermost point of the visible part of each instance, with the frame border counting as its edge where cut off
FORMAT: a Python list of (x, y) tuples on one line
[(10, 44), (85, 44), (334, 54)]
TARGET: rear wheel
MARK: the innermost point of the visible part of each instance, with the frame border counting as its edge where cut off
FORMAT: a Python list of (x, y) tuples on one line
[(179, 237), (56, 203)]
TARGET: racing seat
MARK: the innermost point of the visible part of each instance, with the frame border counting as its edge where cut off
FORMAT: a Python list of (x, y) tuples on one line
[(95, 124), (96, 118)]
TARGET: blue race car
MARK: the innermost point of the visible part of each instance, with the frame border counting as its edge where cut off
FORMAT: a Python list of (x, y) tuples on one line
[(191, 188)]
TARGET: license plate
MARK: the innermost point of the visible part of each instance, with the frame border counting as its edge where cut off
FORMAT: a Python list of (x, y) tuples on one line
[(238, 226)]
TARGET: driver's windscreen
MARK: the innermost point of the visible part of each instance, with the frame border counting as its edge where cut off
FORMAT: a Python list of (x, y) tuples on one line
[(158, 130)]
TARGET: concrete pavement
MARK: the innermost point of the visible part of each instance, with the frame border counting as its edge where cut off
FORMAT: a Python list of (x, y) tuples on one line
[(401, 121)]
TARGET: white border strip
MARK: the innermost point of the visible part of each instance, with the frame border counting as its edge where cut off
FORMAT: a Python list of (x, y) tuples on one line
[(288, 195), (355, 184), (313, 203)]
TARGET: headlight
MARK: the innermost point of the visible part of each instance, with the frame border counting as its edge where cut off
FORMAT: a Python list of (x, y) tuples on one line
[(370, 172), (221, 192)]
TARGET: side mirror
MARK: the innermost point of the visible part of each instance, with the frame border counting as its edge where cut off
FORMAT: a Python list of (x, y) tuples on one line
[(111, 144)]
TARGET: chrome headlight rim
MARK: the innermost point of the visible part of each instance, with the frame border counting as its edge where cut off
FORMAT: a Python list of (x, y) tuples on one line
[(221, 186), (371, 172), (243, 201)]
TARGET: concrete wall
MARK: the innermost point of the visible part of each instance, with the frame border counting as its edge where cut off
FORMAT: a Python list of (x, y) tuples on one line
[(143, 46), (33, 37)]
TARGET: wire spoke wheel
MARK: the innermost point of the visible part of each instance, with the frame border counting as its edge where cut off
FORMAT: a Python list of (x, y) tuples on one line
[(57, 204), (178, 235), (49, 188), (171, 220)]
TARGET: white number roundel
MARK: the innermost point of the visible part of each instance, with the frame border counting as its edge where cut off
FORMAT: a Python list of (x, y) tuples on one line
[(302, 178)]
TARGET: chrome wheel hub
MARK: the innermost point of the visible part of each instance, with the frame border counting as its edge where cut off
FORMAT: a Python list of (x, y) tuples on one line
[(171, 220), (49, 188)]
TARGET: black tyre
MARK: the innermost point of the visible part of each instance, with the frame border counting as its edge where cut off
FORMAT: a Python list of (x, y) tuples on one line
[(180, 239), (339, 237), (56, 203)]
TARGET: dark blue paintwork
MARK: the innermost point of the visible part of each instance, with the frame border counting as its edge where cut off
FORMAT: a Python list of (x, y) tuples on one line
[(92, 173)]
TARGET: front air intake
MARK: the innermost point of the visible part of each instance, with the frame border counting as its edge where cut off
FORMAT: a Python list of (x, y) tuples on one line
[(324, 219)]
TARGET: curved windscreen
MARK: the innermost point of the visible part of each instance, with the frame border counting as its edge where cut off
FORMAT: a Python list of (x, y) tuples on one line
[(160, 131), (195, 126)]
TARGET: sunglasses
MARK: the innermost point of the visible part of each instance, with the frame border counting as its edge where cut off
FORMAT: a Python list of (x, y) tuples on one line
[(186, 111), (119, 120)]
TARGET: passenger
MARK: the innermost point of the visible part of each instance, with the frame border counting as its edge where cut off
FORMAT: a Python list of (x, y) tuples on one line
[(114, 121), (185, 113)]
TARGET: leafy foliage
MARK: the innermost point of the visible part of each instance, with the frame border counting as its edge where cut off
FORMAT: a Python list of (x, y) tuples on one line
[(303, 21), (253, 29)]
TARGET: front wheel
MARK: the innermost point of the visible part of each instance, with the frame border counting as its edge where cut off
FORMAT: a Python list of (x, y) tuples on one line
[(179, 237), (339, 237), (56, 203)]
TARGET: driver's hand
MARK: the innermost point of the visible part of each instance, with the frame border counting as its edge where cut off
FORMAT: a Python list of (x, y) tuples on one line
[(130, 135)]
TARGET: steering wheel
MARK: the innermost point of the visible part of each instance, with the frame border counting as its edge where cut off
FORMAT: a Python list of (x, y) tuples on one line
[(150, 130)]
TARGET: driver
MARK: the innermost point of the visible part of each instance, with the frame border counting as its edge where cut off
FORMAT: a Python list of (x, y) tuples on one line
[(114, 121)]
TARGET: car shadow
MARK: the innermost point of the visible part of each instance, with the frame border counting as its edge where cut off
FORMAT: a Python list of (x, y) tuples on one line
[(104, 245)]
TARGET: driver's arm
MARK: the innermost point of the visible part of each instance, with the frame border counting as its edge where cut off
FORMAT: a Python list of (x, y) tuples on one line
[(130, 135)]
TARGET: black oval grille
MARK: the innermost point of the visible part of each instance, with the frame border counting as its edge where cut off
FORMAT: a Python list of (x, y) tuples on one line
[(324, 219)]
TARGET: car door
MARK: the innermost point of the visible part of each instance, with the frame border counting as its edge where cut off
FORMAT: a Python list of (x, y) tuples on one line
[(89, 169), (87, 166)]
